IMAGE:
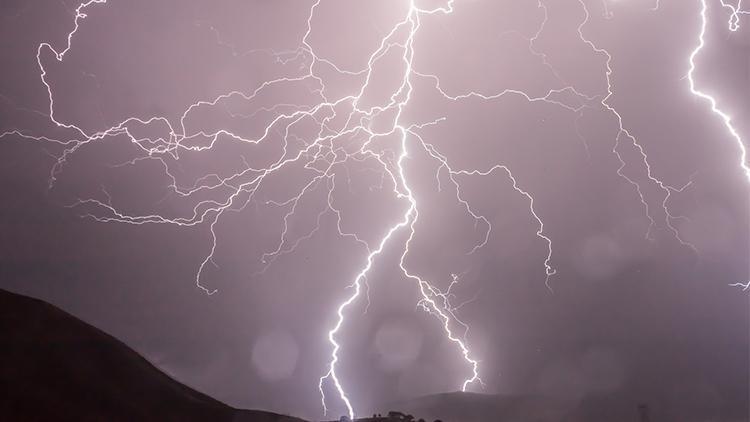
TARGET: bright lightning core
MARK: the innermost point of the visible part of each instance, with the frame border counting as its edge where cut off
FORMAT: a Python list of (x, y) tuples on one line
[(327, 133)]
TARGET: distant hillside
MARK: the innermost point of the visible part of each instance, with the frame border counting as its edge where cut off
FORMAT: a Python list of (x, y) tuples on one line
[(472, 407), (54, 367), (613, 407)]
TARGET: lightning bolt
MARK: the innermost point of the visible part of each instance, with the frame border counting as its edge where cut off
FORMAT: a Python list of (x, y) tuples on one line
[(346, 135), (726, 119), (428, 292), (734, 16)]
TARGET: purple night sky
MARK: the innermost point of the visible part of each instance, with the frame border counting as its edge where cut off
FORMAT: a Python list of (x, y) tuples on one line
[(528, 188)]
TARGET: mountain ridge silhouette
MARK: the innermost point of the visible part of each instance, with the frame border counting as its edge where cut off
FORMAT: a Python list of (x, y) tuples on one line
[(55, 367)]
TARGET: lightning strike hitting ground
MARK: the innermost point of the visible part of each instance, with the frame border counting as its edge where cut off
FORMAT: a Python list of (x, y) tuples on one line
[(338, 144)]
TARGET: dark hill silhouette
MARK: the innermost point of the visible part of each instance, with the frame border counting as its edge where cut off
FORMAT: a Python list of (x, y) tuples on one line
[(54, 367)]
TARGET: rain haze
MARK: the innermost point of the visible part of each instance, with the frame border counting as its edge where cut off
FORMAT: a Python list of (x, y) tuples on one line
[(513, 198)]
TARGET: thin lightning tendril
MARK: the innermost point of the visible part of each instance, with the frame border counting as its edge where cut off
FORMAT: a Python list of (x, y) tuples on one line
[(337, 145), (623, 132)]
